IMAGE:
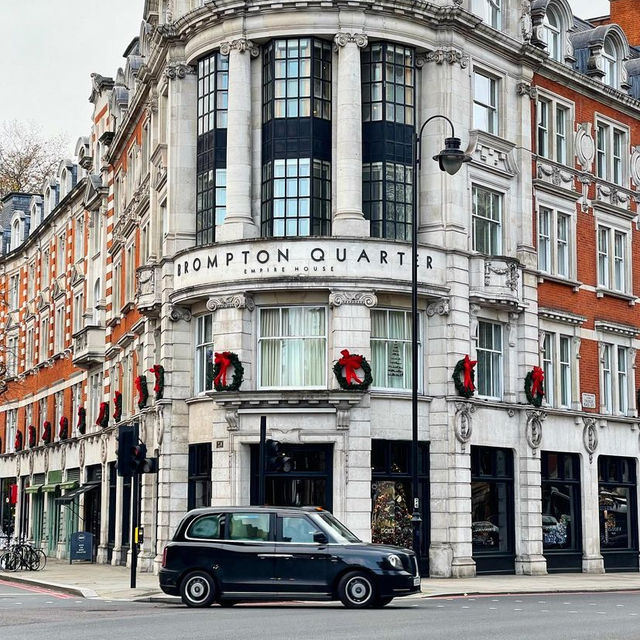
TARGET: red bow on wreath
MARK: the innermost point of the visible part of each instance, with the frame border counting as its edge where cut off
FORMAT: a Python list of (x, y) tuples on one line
[(467, 367), (224, 360), (350, 363), (537, 378)]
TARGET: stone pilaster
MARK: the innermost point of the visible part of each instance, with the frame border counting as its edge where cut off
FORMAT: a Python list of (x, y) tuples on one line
[(349, 219), (117, 554), (592, 560), (238, 222)]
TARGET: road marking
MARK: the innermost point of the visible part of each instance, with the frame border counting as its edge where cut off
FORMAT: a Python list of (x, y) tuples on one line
[(619, 605), (492, 608), (34, 589), (517, 609), (466, 607), (544, 610)]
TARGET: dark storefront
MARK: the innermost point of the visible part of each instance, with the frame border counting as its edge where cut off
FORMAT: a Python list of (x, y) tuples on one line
[(93, 503), (561, 513), (492, 526), (618, 513), (392, 495), (309, 483)]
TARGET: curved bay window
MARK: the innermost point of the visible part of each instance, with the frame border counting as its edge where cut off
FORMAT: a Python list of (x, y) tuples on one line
[(211, 160), (618, 513), (296, 138), (561, 513), (388, 123)]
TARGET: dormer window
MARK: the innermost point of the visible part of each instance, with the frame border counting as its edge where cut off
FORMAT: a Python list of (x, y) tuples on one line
[(553, 34), (15, 235), (610, 63), (489, 10)]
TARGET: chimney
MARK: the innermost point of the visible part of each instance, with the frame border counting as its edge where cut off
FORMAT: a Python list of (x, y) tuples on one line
[(626, 14)]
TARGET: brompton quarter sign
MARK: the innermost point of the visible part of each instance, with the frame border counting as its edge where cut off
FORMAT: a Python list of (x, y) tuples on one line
[(306, 258)]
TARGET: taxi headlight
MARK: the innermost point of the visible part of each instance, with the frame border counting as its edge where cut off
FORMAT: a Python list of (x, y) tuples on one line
[(394, 561)]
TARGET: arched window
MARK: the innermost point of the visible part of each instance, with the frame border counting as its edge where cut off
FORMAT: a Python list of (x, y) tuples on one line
[(610, 63), (97, 309), (553, 34), (15, 234)]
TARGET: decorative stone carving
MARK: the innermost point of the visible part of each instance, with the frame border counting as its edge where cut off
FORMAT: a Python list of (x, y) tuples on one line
[(231, 416), (585, 147), (18, 457), (634, 165), (613, 196), (31, 461), (510, 270), (439, 307), (237, 301), (462, 426), (512, 328), (46, 461), (178, 70), (450, 56), (474, 310), (535, 418), (526, 24), (576, 346), (343, 416), (590, 436), (367, 298), (177, 313), (81, 453), (63, 457), (526, 89), (103, 448), (555, 175), (342, 38), (160, 426), (241, 45)]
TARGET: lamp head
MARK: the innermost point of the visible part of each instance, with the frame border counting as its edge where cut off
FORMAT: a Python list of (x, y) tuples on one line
[(450, 159)]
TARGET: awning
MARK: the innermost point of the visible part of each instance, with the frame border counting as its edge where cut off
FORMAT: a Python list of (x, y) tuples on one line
[(70, 495), (34, 488), (50, 488), (69, 484)]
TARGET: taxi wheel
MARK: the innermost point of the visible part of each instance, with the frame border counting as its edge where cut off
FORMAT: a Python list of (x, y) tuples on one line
[(198, 589), (356, 590), (227, 603), (378, 603)]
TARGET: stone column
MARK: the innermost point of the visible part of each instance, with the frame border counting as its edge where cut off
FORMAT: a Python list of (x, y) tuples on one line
[(349, 219), (592, 560), (116, 557), (238, 221)]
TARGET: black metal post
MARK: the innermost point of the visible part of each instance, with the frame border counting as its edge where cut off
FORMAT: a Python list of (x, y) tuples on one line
[(261, 465), (135, 510)]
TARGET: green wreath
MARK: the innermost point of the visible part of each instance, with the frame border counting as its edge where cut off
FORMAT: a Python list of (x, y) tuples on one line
[(535, 400), (222, 362), (458, 379), (349, 385)]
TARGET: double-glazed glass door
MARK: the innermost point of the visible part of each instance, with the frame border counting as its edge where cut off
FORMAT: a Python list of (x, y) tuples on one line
[(561, 513), (618, 513), (492, 512)]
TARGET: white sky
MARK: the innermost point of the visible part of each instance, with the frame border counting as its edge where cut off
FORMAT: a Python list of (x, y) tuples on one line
[(49, 49)]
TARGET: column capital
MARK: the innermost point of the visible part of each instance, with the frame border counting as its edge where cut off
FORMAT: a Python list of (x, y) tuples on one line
[(241, 45), (366, 298), (343, 37), (232, 301), (178, 70)]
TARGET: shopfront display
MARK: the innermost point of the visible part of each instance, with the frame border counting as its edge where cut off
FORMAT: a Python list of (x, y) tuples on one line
[(307, 483), (618, 513), (492, 526), (391, 495), (561, 527)]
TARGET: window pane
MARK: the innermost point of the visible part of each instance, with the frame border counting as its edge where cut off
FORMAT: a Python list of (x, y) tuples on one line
[(249, 526)]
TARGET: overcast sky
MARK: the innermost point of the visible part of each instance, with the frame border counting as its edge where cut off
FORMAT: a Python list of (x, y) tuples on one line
[(49, 49)]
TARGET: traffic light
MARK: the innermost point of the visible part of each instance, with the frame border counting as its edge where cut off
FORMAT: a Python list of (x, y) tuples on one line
[(138, 457), (277, 461), (127, 439)]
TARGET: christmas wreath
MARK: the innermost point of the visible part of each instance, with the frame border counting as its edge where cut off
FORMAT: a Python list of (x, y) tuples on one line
[(464, 376), (158, 387), (17, 445), (534, 386), (46, 432), (221, 364), (117, 406), (143, 391), (103, 416), (32, 436), (351, 363), (63, 434), (82, 420)]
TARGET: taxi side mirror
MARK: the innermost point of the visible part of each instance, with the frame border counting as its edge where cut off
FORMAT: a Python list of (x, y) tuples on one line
[(320, 538)]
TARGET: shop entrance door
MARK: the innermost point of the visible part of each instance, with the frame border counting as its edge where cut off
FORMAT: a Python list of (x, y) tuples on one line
[(618, 513), (492, 512), (309, 483)]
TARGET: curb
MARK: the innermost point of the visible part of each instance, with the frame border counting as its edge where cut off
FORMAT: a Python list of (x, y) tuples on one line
[(65, 588)]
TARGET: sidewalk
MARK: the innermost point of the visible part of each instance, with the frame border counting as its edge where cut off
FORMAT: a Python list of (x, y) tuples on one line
[(112, 583)]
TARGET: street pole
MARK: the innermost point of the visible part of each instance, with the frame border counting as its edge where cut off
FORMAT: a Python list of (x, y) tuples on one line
[(261, 478), (135, 511)]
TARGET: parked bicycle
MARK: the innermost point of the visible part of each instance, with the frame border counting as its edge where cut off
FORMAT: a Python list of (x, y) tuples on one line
[(22, 555)]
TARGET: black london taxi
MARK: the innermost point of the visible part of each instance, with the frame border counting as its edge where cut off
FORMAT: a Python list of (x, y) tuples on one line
[(238, 554)]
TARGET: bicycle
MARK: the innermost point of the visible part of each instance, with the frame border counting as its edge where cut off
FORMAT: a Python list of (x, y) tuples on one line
[(22, 555)]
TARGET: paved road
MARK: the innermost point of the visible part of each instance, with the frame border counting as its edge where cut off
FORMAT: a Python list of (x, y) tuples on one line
[(28, 613)]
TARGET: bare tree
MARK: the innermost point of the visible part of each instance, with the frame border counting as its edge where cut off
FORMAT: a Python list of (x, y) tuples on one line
[(27, 156)]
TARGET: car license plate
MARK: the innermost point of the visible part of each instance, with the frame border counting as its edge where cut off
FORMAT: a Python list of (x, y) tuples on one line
[(416, 581)]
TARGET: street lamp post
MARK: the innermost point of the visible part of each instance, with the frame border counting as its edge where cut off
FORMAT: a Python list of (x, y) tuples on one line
[(450, 159)]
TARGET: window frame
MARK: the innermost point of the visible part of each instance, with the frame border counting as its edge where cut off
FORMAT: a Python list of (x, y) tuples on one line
[(492, 108), (497, 251), (555, 105), (199, 374), (608, 262), (497, 359), (611, 348), (609, 166), (559, 373), (489, 10), (260, 339), (554, 242)]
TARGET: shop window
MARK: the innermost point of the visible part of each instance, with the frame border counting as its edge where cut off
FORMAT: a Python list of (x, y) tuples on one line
[(199, 481)]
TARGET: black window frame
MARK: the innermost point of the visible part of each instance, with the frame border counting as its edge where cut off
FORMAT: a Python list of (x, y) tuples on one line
[(288, 138), (211, 147), (199, 473)]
